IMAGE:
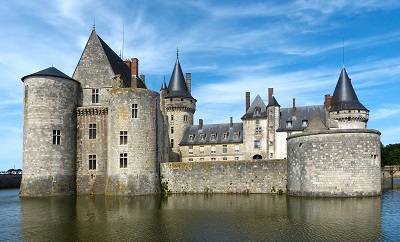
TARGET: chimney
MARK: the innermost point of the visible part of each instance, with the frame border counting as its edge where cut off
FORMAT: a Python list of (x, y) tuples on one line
[(200, 123), (189, 81), (143, 78), (135, 67), (327, 101), (294, 107), (128, 63), (247, 101), (231, 123), (270, 94)]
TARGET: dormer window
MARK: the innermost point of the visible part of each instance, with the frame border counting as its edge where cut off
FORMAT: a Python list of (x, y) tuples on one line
[(191, 137), (213, 136), (202, 136), (257, 111), (236, 135), (288, 124), (225, 135), (304, 123)]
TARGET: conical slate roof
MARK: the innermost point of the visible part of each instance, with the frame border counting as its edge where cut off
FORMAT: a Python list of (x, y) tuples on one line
[(273, 103), (177, 85), (344, 96), (164, 86), (51, 71)]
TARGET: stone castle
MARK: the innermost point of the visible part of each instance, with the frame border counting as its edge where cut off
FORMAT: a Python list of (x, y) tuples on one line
[(102, 131)]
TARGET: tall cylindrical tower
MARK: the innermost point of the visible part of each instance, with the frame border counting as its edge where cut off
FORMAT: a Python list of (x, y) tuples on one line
[(49, 152)]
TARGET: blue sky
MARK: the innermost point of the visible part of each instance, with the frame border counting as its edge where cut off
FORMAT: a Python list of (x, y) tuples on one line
[(230, 47)]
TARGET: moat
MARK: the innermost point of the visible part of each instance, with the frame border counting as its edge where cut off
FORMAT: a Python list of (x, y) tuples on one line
[(217, 217)]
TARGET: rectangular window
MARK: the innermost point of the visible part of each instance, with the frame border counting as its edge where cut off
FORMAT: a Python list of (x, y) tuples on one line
[(225, 149), (271, 155), (258, 131), (190, 159), (185, 118), (134, 110), (201, 149), (190, 150), (213, 136), (236, 148), (123, 160), (123, 137), (236, 158), (92, 162), (224, 158), (257, 144), (95, 95), (56, 137), (225, 135), (201, 159), (92, 131), (213, 159), (213, 149), (257, 121), (236, 135), (172, 117), (172, 143), (172, 130)]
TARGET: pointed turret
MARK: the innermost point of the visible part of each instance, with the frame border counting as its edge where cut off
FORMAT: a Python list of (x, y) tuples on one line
[(163, 86), (344, 96), (346, 110), (177, 86)]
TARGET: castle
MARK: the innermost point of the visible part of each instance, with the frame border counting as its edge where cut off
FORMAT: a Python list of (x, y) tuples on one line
[(102, 131)]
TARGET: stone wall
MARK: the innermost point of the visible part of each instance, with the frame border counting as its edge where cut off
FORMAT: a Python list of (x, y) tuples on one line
[(334, 163), (224, 177)]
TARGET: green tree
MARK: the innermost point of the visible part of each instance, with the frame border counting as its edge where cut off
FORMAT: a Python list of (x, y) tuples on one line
[(390, 154)]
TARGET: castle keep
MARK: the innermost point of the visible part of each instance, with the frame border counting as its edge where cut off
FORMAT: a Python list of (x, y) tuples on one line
[(102, 131)]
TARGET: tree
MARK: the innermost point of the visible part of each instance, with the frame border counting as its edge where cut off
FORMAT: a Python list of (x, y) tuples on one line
[(390, 154)]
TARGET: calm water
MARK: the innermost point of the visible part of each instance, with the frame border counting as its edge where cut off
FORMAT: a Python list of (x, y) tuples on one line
[(258, 217)]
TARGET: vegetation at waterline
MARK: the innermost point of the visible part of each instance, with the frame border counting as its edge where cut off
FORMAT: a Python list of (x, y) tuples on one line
[(390, 154)]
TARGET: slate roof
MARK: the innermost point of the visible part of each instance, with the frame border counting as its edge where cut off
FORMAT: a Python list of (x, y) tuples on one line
[(302, 113), (208, 129), (258, 102), (344, 97), (51, 71), (273, 103), (177, 85)]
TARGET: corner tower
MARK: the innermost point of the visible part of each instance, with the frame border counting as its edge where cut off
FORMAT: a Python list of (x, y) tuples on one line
[(346, 111), (179, 107)]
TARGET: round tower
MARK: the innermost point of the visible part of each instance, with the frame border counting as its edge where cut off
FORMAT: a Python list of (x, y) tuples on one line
[(179, 107), (49, 147), (346, 111)]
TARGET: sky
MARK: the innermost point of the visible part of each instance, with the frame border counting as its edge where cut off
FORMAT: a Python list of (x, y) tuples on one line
[(296, 47)]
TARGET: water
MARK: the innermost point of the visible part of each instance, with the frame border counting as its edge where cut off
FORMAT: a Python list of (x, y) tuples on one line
[(217, 217)]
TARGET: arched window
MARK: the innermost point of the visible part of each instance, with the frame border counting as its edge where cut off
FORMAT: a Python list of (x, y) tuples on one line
[(257, 110), (257, 157)]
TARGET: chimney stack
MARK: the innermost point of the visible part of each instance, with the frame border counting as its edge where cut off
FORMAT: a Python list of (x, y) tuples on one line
[(135, 67), (294, 107), (200, 123), (270, 94), (327, 101), (247, 101), (189, 81), (231, 123)]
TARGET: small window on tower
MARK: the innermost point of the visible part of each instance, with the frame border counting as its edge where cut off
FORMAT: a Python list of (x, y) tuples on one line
[(172, 117), (92, 162), (123, 160), (172, 143), (123, 137), (134, 110), (56, 137), (95, 95), (92, 131), (172, 130), (185, 118)]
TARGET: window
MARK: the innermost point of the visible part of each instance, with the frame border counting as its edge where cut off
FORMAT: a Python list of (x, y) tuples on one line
[(271, 155), (201, 159), (185, 118), (236, 135), (288, 124), (202, 136), (271, 143), (95, 95), (225, 135), (56, 137), (213, 159), (172, 130), (304, 123), (224, 158), (257, 110), (191, 137), (190, 150), (257, 144), (257, 121), (123, 160), (172, 143), (134, 110), (258, 131), (236, 158), (225, 149), (190, 159), (92, 162), (123, 137), (236, 148), (201, 149), (213, 136), (92, 131), (213, 149), (172, 117)]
